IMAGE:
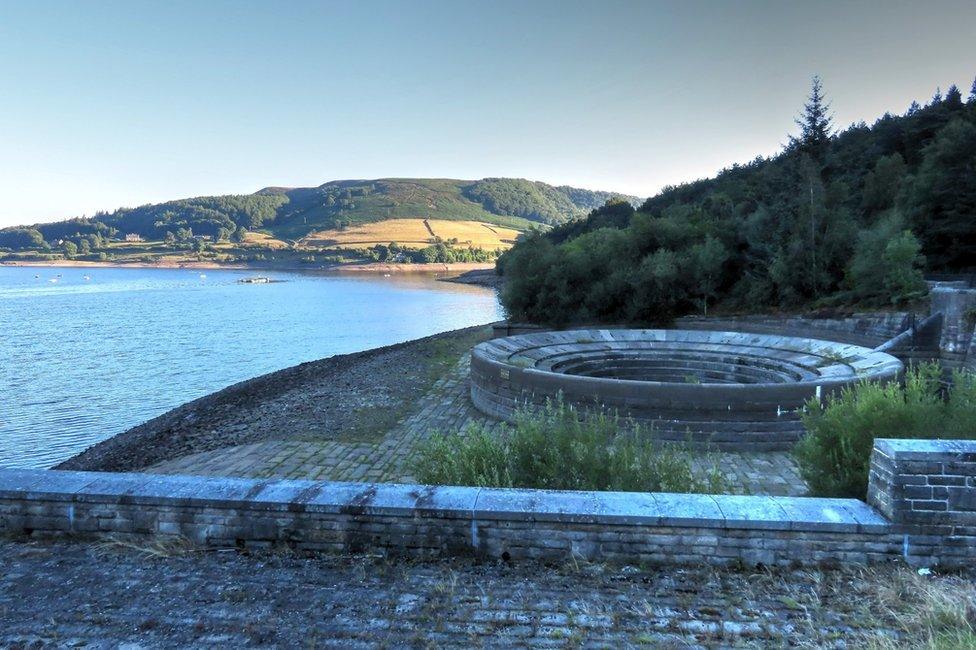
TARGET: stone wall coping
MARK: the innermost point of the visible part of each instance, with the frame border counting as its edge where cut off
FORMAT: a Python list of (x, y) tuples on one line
[(929, 450), (449, 502)]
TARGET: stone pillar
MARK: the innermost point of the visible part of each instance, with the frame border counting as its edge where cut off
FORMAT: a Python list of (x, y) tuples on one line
[(957, 303), (927, 489)]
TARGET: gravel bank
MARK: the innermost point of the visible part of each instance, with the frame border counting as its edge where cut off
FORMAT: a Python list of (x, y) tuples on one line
[(349, 397)]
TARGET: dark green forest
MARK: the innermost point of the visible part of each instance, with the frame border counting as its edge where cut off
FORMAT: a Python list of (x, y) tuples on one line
[(848, 218)]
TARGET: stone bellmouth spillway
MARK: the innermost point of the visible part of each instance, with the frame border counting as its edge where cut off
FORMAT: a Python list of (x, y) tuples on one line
[(733, 391)]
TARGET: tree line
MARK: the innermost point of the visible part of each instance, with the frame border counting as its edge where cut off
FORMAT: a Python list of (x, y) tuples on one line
[(836, 218), (440, 252)]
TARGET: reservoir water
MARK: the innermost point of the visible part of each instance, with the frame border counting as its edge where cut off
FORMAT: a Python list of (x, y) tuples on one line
[(86, 353)]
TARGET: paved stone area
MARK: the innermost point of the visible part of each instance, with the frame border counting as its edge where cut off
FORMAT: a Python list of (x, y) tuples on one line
[(445, 408), (108, 596)]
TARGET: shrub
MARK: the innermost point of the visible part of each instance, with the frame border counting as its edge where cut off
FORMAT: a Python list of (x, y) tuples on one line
[(559, 448), (835, 455)]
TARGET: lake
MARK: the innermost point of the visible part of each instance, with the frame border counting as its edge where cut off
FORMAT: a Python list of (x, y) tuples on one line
[(86, 353)]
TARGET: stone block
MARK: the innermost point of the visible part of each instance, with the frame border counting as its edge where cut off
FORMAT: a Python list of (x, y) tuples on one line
[(963, 499)]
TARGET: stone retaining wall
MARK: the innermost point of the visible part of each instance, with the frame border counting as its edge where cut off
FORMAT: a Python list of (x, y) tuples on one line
[(927, 489), (866, 329), (957, 302), (424, 521)]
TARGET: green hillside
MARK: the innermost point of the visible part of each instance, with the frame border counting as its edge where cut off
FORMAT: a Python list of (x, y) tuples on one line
[(510, 202), (291, 213), (344, 203), (837, 218)]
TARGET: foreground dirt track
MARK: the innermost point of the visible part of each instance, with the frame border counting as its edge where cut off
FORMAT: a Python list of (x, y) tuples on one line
[(69, 594)]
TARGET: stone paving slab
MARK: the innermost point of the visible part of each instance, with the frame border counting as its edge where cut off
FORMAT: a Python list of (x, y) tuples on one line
[(445, 408), (79, 595)]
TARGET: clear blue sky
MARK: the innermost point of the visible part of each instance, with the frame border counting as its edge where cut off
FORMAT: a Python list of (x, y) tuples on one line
[(109, 104)]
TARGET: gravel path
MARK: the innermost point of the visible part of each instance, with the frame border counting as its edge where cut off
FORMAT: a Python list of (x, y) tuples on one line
[(77, 595)]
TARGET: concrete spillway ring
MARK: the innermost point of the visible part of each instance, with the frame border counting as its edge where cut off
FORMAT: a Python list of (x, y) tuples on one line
[(730, 390)]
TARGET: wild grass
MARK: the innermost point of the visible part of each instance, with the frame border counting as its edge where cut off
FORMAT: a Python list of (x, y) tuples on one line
[(928, 612), (149, 547), (559, 448), (835, 455), (259, 238)]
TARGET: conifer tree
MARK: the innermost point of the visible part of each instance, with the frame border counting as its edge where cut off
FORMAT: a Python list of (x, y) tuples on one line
[(816, 129), (972, 94), (816, 123), (953, 98)]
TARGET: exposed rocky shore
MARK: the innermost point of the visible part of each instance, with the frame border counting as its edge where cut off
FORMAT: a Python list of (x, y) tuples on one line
[(480, 277), (350, 397)]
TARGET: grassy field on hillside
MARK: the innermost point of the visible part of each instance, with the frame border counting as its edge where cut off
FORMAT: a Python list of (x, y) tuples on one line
[(414, 233), (362, 202), (264, 240)]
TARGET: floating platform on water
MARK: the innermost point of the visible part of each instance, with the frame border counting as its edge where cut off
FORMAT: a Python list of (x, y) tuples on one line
[(257, 280)]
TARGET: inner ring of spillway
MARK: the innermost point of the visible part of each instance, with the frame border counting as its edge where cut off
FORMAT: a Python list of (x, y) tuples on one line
[(686, 364)]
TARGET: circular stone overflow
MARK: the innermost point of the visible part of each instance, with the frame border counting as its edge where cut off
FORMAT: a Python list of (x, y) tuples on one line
[(730, 390)]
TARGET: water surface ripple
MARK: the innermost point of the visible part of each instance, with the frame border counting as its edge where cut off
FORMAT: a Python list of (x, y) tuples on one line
[(82, 359)]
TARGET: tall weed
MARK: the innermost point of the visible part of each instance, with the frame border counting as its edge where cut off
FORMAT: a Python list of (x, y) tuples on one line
[(559, 448), (834, 456)]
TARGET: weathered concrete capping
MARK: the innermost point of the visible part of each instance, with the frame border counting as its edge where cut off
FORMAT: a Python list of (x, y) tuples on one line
[(401, 500)]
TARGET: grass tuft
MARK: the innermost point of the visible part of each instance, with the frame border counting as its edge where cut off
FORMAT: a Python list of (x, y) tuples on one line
[(149, 548), (560, 448)]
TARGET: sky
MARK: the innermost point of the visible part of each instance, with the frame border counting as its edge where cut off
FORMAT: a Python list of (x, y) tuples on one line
[(112, 104)]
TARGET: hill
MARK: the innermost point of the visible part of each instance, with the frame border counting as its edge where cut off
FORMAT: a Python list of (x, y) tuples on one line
[(834, 219), (293, 213)]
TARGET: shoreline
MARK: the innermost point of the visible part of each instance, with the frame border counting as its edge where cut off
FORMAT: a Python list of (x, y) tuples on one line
[(376, 267), (331, 394)]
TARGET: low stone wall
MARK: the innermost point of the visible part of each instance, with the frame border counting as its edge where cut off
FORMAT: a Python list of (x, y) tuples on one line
[(867, 329), (424, 521), (927, 489), (957, 302)]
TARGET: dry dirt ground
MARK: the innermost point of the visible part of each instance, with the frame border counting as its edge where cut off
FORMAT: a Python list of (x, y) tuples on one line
[(81, 595)]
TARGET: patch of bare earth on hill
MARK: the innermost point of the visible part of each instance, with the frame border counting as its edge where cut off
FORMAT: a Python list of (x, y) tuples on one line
[(101, 595), (352, 397)]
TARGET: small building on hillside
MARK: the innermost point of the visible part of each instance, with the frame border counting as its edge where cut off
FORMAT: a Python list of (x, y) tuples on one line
[(133, 237)]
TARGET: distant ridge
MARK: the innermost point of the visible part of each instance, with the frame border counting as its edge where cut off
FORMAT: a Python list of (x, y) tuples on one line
[(292, 213)]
